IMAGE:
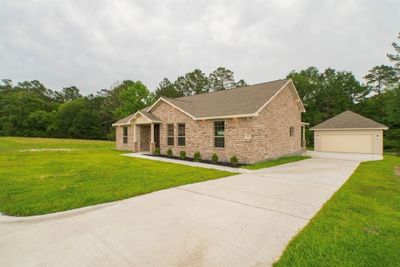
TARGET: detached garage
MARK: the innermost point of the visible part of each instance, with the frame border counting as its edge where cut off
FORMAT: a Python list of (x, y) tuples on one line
[(349, 132)]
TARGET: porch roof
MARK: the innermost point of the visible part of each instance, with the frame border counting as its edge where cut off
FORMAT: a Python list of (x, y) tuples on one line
[(127, 120)]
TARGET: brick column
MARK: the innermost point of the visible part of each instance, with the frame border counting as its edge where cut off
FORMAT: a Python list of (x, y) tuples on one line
[(135, 143), (152, 143)]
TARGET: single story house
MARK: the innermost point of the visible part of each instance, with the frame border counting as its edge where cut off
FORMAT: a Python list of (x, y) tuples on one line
[(254, 123), (349, 132)]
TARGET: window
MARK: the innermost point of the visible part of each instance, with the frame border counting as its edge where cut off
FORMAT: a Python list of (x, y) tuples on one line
[(125, 134), (291, 131), (170, 134), (181, 134), (219, 134)]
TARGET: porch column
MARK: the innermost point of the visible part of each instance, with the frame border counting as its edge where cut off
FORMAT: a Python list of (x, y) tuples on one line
[(304, 136), (134, 138), (138, 138), (152, 143)]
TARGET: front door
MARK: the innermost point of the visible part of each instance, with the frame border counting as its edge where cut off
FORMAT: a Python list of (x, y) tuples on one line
[(157, 135)]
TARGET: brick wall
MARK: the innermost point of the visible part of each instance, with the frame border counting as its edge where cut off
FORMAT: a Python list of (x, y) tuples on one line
[(120, 140), (200, 135), (250, 139), (270, 130)]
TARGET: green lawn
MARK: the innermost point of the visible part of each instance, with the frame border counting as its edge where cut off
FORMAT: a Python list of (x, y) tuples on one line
[(275, 162), (92, 172), (358, 226)]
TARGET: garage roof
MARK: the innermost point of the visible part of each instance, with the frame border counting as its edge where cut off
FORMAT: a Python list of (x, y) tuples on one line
[(349, 120)]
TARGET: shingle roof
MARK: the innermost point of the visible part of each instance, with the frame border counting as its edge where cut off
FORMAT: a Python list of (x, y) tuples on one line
[(349, 120), (148, 115), (124, 120), (243, 101), (237, 101)]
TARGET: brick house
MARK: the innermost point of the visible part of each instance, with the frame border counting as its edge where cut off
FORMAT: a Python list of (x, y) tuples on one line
[(254, 123)]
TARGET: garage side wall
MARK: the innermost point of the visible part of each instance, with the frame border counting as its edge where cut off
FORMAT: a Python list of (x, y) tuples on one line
[(350, 141)]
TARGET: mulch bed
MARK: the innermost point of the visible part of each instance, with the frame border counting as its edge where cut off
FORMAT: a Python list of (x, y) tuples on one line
[(220, 163)]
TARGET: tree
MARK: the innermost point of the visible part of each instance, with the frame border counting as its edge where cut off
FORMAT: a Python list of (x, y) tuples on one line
[(68, 94), (133, 97), (241, 83), (221, 79), (381, 77), (193, 83), (167, 89), (7, 84), (39, 122), (326, 94), (396, 57), (77, 119)]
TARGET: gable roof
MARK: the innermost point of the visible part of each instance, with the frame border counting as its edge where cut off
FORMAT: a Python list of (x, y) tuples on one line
[(237, 102), (244, 101), (143, 112), (349, 120)]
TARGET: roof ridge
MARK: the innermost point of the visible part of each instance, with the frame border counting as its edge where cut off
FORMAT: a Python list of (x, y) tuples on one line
[(226, 90)]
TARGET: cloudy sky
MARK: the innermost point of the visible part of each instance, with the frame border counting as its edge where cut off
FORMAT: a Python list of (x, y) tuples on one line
[(92, 44)]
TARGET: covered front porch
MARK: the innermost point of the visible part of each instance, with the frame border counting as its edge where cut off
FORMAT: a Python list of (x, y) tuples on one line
[(146, 137), (139, 132)]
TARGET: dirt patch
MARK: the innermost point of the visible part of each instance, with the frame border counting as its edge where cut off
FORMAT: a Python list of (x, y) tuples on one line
[(46, 149), (397, 170)]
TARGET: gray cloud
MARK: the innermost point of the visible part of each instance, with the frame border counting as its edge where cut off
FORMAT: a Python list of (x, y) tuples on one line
[(92, 44)]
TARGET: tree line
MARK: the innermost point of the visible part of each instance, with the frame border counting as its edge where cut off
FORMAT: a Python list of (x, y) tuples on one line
[(30, 109)]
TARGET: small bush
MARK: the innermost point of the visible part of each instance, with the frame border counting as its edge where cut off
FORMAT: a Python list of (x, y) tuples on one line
[(234, 161), (197, 156), (157, 152), (169, 152), (182, 155), (214, 158)]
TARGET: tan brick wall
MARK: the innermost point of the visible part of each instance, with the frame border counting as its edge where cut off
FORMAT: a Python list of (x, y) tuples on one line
[(270, 130), (250, 139), (144, 140), (200, 135), (120, 141)]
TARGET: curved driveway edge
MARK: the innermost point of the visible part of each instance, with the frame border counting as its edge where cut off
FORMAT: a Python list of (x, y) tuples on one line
[(242, 220)]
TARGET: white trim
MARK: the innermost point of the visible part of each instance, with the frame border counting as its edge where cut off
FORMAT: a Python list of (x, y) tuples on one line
[(166, 101), (277, 93), (347, 129), (134, 115), (227, 117), (298, 96)]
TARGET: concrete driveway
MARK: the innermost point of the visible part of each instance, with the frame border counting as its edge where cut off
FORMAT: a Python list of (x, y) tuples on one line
[(244, 220)]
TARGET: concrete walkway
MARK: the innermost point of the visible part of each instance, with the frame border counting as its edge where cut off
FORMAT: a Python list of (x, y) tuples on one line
[(242, 220), (188, 163)]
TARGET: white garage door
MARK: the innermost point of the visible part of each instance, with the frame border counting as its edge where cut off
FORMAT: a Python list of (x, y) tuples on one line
[(352, 143)]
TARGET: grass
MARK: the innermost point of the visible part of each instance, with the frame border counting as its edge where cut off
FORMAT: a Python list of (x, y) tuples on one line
[(92, 172), (358, 226), (276, 162)]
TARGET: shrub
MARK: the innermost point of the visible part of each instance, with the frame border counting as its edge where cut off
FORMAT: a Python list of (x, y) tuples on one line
[(214, 158), (234, 161), (182, 154), (197, 156), (169, 152), (157, 152)]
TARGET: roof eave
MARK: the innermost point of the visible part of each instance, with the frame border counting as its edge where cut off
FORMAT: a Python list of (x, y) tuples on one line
[(347, 129)]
